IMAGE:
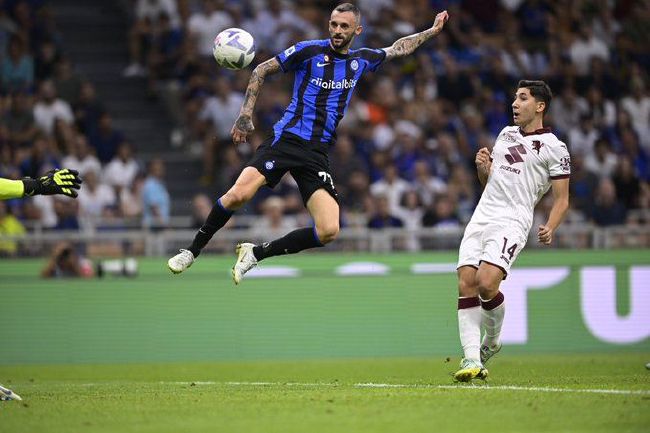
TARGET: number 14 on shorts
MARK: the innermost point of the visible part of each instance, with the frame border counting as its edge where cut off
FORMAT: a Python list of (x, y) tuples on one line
[(508, 250)]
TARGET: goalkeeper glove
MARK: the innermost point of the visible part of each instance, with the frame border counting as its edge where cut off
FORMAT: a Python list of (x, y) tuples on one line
[(58, 181)]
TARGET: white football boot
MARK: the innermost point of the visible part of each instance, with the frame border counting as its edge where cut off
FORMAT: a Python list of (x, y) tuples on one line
[(180, 261), (7, 395), (245, 261), (488, 352)]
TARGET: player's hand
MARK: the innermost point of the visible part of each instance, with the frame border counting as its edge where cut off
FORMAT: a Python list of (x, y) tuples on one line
[(545, 235), (440, 21), (58, 181), (242, 127), (482, 159)]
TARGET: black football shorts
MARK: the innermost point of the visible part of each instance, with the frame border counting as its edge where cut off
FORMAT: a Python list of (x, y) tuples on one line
[(307, 162)]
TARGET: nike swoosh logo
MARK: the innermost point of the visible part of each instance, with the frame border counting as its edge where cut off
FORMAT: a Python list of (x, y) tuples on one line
[(320, 65)]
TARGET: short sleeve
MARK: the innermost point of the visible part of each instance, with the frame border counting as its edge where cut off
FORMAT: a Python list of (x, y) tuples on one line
[(559, 164), (291, 58), (374, 57)]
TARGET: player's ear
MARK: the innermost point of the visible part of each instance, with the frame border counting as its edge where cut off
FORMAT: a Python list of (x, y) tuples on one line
[(540, 107), (358, 30)]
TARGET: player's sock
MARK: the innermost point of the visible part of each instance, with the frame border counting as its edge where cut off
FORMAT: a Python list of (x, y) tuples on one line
[(493, 311), (218, 217), (293, 242), (469, 326)]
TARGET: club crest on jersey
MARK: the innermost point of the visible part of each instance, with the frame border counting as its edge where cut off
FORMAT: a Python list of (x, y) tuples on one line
[(537, 145), (269, 165), (565, 163), (326, 58), (506, 136), (354, 65)]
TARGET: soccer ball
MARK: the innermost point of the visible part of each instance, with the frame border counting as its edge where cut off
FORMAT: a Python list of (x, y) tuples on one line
[(234, 48)]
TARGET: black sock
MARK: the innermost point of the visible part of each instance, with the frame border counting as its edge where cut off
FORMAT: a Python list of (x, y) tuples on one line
[(219, 216), (291, 243)]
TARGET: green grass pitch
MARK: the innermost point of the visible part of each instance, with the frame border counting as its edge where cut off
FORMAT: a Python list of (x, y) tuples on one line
[(317, 353)]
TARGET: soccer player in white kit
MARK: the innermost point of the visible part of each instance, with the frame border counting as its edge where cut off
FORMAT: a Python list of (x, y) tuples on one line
[(526, 160)]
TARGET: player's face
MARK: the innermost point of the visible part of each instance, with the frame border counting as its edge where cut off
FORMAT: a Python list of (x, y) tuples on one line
[(525, 107), (343, 28)]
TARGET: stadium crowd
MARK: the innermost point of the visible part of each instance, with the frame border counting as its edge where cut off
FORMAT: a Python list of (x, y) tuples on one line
[(405, 150)]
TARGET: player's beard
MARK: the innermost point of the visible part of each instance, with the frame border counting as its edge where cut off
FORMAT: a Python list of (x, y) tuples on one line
[(344, 43)]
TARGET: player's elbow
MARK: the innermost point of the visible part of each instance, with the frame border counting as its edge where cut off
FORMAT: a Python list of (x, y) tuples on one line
[(327, 231)]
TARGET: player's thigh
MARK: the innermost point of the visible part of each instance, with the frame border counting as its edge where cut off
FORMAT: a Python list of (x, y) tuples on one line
[(325, 212), (270, 161), (471, 246), (244, 188)]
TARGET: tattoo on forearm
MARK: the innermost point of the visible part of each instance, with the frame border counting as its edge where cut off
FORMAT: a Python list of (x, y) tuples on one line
[(406, 45), (255, 83)]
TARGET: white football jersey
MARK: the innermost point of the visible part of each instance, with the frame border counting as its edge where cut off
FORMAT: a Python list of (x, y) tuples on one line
[(523, 165)]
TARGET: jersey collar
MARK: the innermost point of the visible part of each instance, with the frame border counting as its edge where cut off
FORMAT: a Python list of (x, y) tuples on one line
[(535, 132), (336, 53)]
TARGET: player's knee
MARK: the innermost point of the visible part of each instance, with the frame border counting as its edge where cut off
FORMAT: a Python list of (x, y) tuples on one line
[(327, 232), (467, 288), (235, 198), (487, 289)]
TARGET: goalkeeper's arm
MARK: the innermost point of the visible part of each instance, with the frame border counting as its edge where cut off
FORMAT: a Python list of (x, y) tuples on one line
[(60, 181)]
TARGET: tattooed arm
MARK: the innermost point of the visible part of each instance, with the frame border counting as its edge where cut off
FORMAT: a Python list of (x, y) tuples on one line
[(408, 44), (244, 123)]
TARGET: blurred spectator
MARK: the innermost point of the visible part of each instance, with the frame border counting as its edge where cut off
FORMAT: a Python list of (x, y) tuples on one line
[(383, 217), (67, 213), (40, 159), (585, 46), (130, 199), (607, 209), (155, 198), (220, 111), (20, 120), (47, 57), (602, 161), (583, 136), (164, 54), (87, 109), (67, 82), (441, 213), (357, 196), (147, 14), (582, 186), (637, 104), (123, 168), (425, 185), (205, 25), (602, 111), (65, 262), (50, 108), (81, 157), (273, 219), (9, 226), (201, 207), (628, 186), (95, 199), (410, 212), (567, 108), (105, 138), (391, 187), (17, 67)]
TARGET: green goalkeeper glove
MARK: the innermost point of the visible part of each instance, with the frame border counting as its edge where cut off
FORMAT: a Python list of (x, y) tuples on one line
[(58, 181)]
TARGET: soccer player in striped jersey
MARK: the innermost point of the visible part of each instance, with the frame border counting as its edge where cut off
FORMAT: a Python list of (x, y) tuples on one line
[(326, 73)]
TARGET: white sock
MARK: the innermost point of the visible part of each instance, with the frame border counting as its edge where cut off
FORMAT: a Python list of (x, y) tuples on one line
[(469, 327), (492, 313)]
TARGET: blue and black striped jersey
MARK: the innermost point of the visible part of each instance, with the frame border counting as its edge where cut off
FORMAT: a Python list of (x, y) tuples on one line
[(322, 87)]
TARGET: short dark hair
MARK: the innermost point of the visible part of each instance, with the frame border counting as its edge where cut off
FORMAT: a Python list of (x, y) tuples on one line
[(349, 7), (538, 90)]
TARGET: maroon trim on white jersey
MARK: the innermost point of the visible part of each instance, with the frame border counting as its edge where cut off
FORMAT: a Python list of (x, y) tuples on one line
[(561, 176), (535, 132)]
